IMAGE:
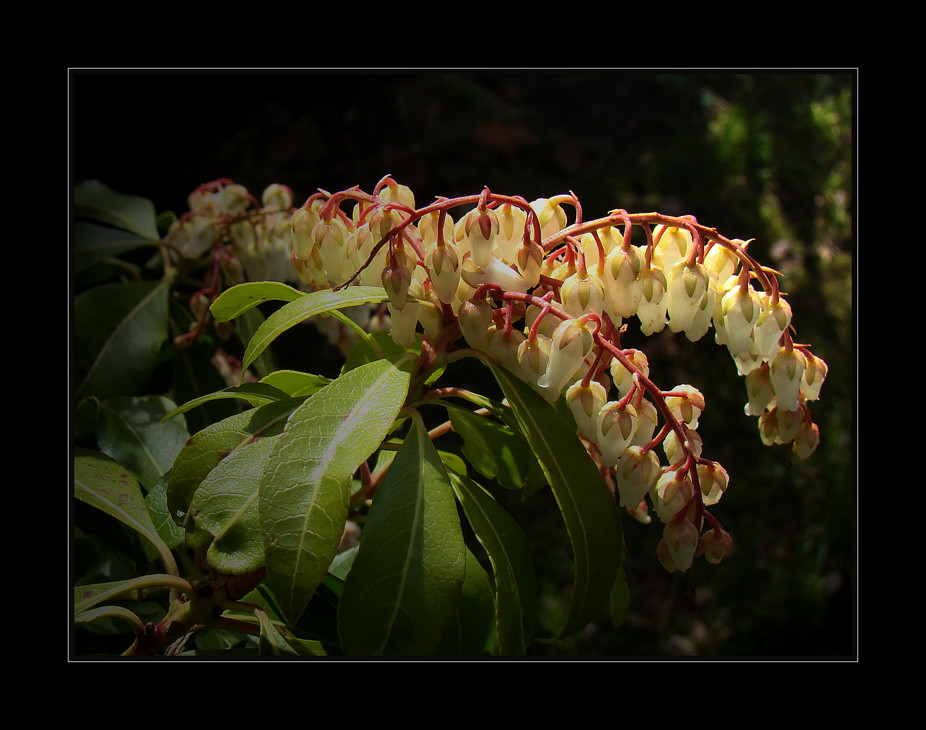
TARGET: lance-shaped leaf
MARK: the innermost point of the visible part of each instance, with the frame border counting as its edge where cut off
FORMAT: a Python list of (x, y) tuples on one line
[(306, 307), (119, 330), (206, 448), (404, 586), (472, 631), (306, 487), (512, 565), (589, 509), (95, 201), (101, 482), (237, 300), (493, 449)]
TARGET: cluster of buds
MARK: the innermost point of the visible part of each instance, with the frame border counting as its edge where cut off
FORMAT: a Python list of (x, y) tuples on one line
[(257, 231), (549, 300)]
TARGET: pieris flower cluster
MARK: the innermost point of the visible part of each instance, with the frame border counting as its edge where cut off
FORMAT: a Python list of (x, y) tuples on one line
[(257, 231), (548, 299)]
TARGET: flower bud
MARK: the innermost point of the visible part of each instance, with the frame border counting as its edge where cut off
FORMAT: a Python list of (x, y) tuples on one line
[(806, 439), (277, 197), (681, 539), (396, 281), (715, 545)]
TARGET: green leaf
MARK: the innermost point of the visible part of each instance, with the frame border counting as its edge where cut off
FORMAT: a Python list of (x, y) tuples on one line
[(494, 450), (208, 447), (95, 201), (132, 432), (156, 502), (306, 307), (102, 483), (472, 630), (509, 553), (94, 243), (237, 300), (119, 330), (225, 510), (305, 490), (295, 383), (589, 509), (404, 586), (257, 394)]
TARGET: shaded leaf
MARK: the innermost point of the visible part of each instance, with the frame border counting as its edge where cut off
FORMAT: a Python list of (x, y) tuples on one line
[(494, 450), (509, 553), (95, 201), (404, 586), (119, 331), (589, 509), (305, 490), (472, 630), (94, 243), (132, 431)]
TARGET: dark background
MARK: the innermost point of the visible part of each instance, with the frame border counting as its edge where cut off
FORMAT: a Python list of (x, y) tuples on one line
[(767, 155)]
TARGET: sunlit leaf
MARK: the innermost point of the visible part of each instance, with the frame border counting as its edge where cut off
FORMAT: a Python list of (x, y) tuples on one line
[(306, 486), (236, 300)]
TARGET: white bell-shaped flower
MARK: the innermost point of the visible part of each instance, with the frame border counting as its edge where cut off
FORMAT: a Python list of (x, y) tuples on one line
[(585, 401), (759, 390), (647, 420), (786, 372), (550, 214), (476, 233), (329, 237), (582, 294), (686, 403), (475, 319), (571, 342), (774, 320), (623, 285), (713, 481), (704, 314), (676, 450), (533, 358), (511, 222), (672, 246), (721, 262), (806, 439), (615, 427), (621, 377), (686, 286), (815, 370), (636, 474), (680, 538), (740, 310), (672, 493), (443, 264), (651, 309)]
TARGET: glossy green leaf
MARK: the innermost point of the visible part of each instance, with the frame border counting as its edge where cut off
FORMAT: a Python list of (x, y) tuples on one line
[(472, 630), (493, 449), (306, 486), (133, 432), (306, 307), (236, 300), (95, 201), (589, 509), (103, 483), (119, 331), (225, 511), (509, 553), (94, 243), (404, 586), (208, 447), (256, 394), (295, 383)]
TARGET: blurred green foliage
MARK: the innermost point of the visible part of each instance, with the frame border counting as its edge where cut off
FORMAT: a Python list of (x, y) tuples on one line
[(761, 155)]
